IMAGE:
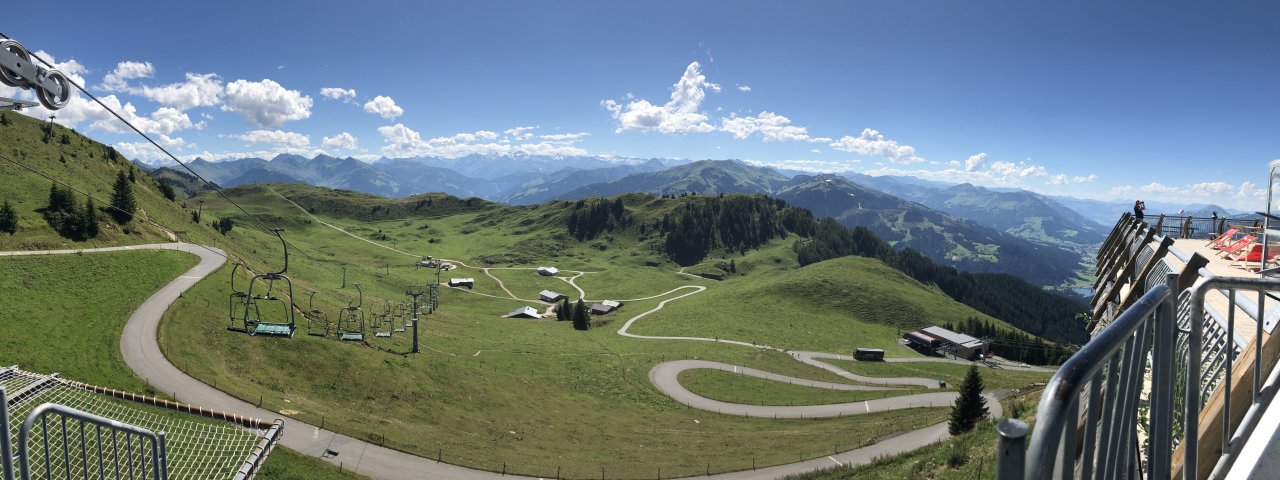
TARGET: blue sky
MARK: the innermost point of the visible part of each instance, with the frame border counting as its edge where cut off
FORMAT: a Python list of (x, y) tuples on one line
[(1162, 101)]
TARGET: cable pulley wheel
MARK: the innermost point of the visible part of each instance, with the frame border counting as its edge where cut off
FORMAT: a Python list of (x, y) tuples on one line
[(11, 78), (49, 100)]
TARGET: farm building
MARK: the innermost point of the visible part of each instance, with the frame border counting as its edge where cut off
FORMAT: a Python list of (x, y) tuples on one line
[(600, 309), (548, 271), (957, 344), (552, 297), (524, 312), (611, 304), (462, 282)]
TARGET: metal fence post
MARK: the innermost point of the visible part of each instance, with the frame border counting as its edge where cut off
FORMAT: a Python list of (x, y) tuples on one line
[(1162, 378), (6, 450), (1012, 456)]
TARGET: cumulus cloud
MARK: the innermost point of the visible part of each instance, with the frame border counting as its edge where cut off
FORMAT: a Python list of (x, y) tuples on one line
[(1158, 188), (275, 137), (1059, 179), (345, 95), (384, 107), (118, 79), (816, 166), (342, 141), (1084, 179), (974, 162), (560, 137), (872, 143), (199, 90), (680, 115), (163, 121), (402, 141), (771, 126), (1020, 169), (744, 88), (518, 131), (266, 104), (145, 152)]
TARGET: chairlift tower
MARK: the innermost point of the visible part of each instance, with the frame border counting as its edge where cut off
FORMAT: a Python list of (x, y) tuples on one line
[(415, 291)]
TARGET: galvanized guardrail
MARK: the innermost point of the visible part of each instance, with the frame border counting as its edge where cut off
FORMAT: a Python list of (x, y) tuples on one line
[(1107, 377), (121, 440)]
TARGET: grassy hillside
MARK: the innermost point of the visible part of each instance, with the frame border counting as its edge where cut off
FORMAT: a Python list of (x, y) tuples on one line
[(88, 166)]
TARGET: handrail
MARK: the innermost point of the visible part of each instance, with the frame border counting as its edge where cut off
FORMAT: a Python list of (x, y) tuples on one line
[(159, 464), (6, 450), (1122, 348), (1063, 390)]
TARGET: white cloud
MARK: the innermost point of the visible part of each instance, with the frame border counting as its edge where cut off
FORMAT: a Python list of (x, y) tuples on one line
[(1059, 179), (815, 151), (163, 121), (146, 152), (680, 115), (78, 108), (975, 162), (560, 137), (771, 126), (1158, 188), (275, 137), (342, 141), (1213, 188), (871, 142), (266, 104), (118, 79), (402, 141), (744, 88), (517, 131), (1019, 170), (200, 90), (1084, 179), (816, 166), (345, 95), (385, 107)]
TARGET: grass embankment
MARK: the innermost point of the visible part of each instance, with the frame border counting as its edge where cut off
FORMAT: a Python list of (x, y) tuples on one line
[(736, 388), (536, 395), (992, 378), (831, 306), (65, 314), (963, 457)]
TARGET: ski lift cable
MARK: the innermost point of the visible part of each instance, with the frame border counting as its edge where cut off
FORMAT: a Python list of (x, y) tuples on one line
[(173, 157)]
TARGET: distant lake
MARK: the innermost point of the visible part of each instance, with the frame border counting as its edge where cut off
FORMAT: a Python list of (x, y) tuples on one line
[(1083, 291)]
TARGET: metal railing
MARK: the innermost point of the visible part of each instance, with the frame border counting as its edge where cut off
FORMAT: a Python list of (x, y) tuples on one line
[(77, 444), (81, 449), (1169, 333)]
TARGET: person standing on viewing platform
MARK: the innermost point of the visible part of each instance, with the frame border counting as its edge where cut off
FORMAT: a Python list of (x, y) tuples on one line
[(1138, 207)]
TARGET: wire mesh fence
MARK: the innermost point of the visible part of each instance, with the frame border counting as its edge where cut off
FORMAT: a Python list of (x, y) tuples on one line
[(199, 444)]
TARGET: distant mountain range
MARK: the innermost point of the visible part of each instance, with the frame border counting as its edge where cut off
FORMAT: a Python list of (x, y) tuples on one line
[(976, 229)]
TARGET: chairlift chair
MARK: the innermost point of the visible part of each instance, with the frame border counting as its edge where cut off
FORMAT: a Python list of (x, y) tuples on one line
[(237, 303), (351, 319), (317, 320), (383, 322), (253, 322)]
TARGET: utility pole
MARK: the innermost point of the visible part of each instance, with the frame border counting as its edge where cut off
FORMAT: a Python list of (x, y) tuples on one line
[(344, 276), (415, 291)]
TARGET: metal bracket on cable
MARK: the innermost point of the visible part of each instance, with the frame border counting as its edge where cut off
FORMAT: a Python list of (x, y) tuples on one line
[(52, 87)]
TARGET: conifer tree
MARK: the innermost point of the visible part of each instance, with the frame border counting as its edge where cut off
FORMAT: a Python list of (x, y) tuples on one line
[(970, 407), (89, 219), (563, 312), (580, 319), (8, 218), (122, 201)]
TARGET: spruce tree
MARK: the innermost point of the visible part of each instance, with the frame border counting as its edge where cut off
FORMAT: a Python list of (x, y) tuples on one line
[(581, 321), (8, 218), (970, 407), (563, 312), (89, 220), (122, 201)]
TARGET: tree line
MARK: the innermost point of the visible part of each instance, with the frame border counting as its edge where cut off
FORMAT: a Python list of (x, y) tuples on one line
[(1016, 346)]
